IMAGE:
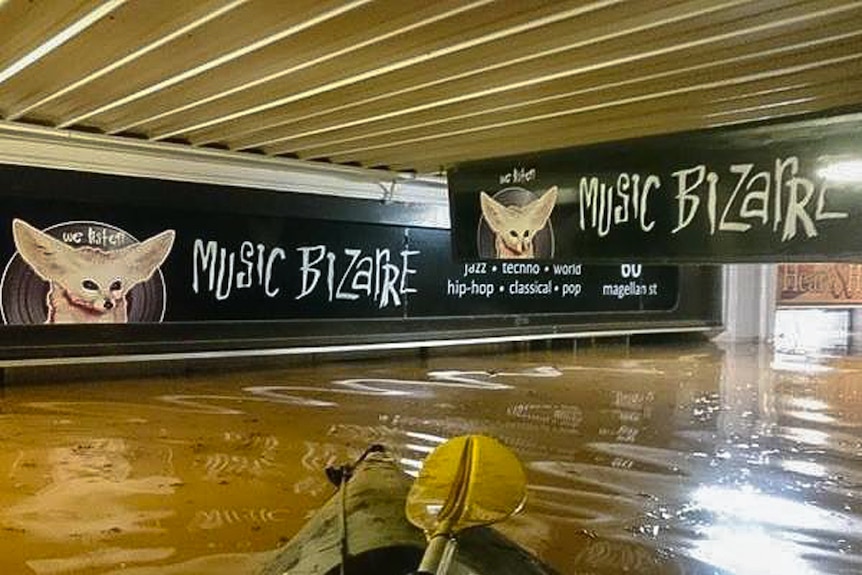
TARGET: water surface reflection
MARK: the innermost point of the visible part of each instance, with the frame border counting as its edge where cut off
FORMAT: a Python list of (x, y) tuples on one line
[(647, 460)]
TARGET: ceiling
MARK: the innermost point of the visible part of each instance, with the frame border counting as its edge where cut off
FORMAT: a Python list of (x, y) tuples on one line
[(418, 85)]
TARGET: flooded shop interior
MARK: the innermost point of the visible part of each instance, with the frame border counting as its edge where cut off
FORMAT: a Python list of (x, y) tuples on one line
[(457, 287)]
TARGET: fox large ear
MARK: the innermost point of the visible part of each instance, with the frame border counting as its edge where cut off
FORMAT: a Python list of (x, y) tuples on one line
[(494, 213), (144, 258), (46, 255), (540, 210)]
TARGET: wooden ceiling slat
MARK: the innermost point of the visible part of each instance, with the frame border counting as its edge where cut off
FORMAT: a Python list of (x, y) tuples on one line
[(541, 42), (720, 28), (448, 37), (707, 93), (133, 30), (337, 38), (417, 85), (26, 24), (603, 85), (620, 125), (231, 35)]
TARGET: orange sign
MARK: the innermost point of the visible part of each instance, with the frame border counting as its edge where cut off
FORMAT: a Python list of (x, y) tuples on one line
[(836, 284)]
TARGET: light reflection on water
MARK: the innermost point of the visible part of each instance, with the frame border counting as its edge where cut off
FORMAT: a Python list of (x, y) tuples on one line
[(663, 460)]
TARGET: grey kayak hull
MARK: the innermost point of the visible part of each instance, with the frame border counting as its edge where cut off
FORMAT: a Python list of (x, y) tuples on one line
[(380, 540)]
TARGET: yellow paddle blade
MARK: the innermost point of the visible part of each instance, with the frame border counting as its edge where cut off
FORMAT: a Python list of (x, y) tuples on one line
[(468, 481)]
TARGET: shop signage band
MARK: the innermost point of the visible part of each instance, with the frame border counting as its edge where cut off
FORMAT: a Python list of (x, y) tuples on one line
[(788, 192), (118, 250)]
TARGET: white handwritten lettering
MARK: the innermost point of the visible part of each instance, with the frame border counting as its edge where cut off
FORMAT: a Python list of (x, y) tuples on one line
[(603, 207), (518, 176), (359, 274), (256, 264), (792, 195), (308, 268)]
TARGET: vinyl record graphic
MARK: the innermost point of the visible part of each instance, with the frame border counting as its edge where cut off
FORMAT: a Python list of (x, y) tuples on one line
[(543, 242), (23, 294)]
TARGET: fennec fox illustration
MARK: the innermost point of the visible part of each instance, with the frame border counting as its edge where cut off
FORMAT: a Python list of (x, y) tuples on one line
[(89, 285), (516, 226)]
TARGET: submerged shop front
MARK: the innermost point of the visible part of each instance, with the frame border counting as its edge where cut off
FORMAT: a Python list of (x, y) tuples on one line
[(196, 255)]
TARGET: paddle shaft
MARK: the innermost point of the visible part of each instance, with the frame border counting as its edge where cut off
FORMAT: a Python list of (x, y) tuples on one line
[(438, 556), (441, 545)]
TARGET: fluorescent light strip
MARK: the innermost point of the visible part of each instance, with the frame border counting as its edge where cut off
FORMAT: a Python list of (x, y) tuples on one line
[(766, 91), (761, 107), (347, 348), (129, 58), (198, 70), (60, 38)]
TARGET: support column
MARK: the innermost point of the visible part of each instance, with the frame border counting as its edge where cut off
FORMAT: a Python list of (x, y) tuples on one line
[(749, 302)]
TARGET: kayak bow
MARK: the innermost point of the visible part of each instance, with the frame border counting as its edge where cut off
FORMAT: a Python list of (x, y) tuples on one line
[(367, 515)]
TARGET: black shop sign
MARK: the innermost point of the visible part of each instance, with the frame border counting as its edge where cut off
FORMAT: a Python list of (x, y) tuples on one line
[(758, 194)]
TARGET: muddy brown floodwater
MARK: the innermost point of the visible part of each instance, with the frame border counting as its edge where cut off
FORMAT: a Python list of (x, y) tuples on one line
[(658, 460)]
